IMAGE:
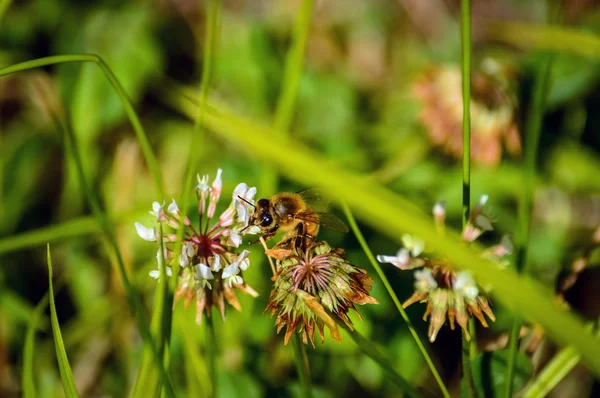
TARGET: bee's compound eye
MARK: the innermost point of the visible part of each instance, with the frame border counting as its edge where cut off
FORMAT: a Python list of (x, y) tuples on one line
[(266, 220)]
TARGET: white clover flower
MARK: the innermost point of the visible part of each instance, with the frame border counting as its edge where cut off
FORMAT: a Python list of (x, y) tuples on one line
[(207, 246)]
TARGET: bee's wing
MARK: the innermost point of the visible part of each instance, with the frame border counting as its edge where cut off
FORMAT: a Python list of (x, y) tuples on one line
[(315, 199), (326, 220)]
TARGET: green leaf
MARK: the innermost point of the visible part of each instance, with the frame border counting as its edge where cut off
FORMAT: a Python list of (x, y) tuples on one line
[(28, 383), (76, 227), (546, 37), (489, 372), (61, 355)]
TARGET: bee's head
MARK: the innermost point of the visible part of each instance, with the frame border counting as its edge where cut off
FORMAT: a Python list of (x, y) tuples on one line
[(262, 214)]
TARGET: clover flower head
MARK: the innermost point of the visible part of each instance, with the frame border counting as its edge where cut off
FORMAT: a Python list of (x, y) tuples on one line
[(211, 268), (450, 295), (493, 116), (314, 286)]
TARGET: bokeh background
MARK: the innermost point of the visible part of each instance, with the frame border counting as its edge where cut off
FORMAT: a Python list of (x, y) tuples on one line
[(380, 95)]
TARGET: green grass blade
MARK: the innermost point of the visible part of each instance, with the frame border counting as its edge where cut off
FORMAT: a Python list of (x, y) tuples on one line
[(392, 215), (61, 355), (103, 220), (29, 390), (388, 287), (4, 4), (372, 352), (546, 37), (560, 366), (77, 227), (564, 361)]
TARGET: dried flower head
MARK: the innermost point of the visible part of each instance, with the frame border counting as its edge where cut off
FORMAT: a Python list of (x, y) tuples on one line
[(493, 106), (311, 287), (209, 259), (449, 294)]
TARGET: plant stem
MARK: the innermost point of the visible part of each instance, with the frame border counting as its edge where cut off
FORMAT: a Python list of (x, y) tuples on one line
[(532, 138), (302, 366), (388, 287), (211, 353), (469, 350)]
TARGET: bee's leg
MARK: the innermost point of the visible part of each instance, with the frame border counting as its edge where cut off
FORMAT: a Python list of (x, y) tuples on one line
[(300, 241), (267, 235)]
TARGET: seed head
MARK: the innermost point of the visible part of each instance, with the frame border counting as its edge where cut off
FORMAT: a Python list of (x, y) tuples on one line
[(311, 287)]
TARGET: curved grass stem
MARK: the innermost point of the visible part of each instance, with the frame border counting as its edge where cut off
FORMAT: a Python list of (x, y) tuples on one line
[(388, 287)]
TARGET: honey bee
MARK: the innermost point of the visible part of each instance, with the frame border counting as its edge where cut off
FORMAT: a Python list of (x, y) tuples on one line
[(300, 215)]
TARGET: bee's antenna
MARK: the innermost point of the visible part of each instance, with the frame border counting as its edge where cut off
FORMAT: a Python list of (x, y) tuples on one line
[(247, 202), (245, 228)]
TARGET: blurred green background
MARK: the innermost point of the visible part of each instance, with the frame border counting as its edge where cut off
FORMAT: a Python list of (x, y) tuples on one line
[(379, 94)]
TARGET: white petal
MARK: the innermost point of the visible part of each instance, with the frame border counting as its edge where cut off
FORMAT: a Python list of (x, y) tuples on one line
[(202, 272), (230, 270), (154, 273), (148, 234), (418, 247), (184, 261), (465, 284), (439, 210), (202, 183), (250, 194), (244, 264), (425, 276), (483, 200), (173, 208), (407, 241), (235, 239), (239, 190), (216, 263), (218, 183)]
